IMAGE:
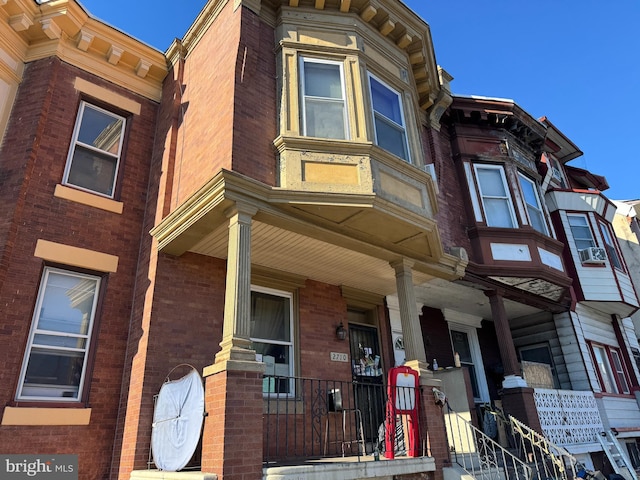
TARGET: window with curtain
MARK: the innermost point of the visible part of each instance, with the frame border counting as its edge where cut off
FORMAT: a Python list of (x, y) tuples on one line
[(388, 119), (272, 336), (581, 231), (532, 202), (612, 252), (495, 195), (323, 97), (55, 360)]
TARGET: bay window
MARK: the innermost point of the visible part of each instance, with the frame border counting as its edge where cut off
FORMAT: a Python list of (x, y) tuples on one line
[(532, 203), (388, 119), (323, 97), (272, 336), (95, 152), (612, 252), (495, 195), (55, 360)]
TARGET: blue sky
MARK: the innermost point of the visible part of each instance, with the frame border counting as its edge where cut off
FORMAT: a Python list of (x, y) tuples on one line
[(575, 61)]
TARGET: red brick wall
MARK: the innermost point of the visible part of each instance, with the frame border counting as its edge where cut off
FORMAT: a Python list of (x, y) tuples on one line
[(451, 216), (183, 326), (33, 160), (255, 127)]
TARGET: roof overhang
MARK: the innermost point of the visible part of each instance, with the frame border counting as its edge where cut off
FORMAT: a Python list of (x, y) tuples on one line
[(341, 239)]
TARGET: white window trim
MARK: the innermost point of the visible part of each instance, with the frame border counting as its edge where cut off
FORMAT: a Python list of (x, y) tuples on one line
[(303, 95), (291, 343), (588, 225), (402, 115), (539, 207), (75, 142), (508, 198), (34, 330), (474, 346)]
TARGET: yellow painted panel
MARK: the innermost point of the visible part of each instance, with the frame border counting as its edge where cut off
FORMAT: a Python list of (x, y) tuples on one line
[(77, 257), (88, 199), (316, 37), (46, 416), (108, 96), (401, 190), (330, 173)]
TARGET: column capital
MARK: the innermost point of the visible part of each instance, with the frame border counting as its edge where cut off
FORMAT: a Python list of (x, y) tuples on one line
[(403, 265), (242, 209)]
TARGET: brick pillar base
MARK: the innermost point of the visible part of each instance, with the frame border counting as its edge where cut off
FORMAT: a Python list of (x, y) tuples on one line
[(519, 403), (432, 416), (232, 437)]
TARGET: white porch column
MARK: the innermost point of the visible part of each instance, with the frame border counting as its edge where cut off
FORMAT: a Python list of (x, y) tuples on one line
[(412, 333), (237, 299)]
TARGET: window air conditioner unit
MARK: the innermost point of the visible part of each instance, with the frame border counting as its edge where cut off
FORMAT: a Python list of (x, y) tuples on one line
[(592, 256)]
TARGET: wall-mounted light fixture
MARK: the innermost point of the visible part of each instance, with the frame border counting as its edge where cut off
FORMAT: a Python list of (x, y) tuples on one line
[(341, 332)]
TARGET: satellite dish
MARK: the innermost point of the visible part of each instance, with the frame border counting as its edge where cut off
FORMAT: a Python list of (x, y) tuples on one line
[(177, 421)]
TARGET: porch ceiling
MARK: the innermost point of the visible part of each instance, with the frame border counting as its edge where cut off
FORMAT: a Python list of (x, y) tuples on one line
[(334, 238)]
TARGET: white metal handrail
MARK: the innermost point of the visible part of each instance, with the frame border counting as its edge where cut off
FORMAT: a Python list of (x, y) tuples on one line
[(479, 455)]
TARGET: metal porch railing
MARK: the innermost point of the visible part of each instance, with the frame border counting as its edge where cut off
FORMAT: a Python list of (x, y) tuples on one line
[(478, 454), (306, 419)]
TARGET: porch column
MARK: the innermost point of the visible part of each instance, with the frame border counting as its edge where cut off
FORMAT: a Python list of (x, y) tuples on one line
[(512, 377), (233, 384), (411, 331), (236, 329)]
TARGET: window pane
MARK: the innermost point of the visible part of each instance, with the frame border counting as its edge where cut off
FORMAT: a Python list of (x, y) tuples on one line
[(100, 130), (322, 80), (67, 304), (498, 213), (55, 356), (534, 209), (386, 102), (605, 370), (617, 366), (581, 232), (391, 138), (325, 119), (461, 345), (611, 249), (270, 317), (491, 182), (92, 171)]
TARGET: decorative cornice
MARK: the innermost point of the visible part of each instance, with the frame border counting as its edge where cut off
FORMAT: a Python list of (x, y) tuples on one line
[(64, 29)]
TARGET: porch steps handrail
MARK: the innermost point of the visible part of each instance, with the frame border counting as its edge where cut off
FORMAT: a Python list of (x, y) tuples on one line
[(479, 455), (618, 459), (549, 460)]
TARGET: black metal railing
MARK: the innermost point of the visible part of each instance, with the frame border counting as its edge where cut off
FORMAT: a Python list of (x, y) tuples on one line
[(306, 419)]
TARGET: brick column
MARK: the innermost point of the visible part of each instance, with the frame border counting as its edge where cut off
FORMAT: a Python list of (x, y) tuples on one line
[(232, 436)]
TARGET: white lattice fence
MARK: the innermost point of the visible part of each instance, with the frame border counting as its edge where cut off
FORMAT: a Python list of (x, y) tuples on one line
[(568, 417)]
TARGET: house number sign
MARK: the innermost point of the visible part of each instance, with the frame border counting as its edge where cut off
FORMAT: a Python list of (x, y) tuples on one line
[(339, 357)]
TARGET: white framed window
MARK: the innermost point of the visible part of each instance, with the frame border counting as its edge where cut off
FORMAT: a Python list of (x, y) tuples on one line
[(388, 118), (464, 341), (581, 231), (612, 251), (495, 195), (272, 337), (55, 361), (533, 204), (611, 373), (323, 99), (557, 175), (96, 149)]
